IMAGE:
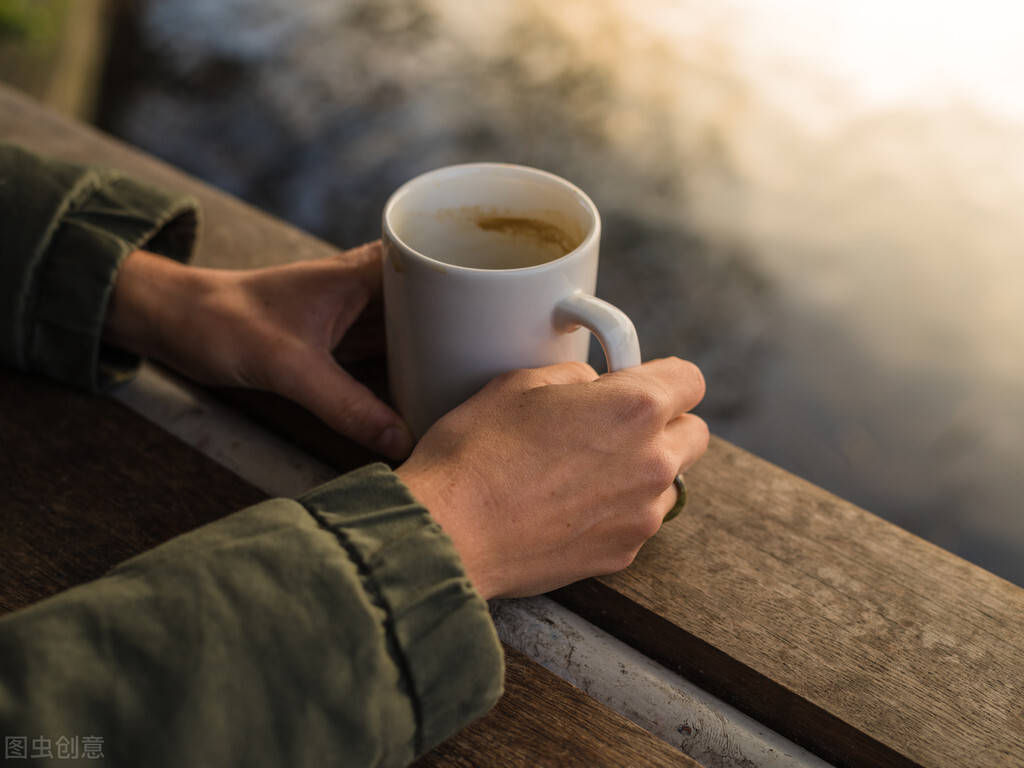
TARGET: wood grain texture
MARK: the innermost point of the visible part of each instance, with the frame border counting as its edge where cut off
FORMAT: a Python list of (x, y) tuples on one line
[(848, 635), (88, 483), (854, 638), (518, 732)]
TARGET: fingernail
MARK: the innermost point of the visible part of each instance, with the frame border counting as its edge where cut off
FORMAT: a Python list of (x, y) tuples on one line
[(395, 442)]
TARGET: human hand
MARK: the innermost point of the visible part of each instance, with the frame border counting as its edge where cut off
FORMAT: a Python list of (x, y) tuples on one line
[(551, 475), (274, 329)]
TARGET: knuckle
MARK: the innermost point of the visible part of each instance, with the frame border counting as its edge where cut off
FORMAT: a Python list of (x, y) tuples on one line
[(703, 432), (349, 417), (694, 378), (649, 523), (698, 437), (644, 404), (687, 378), (660, 468)]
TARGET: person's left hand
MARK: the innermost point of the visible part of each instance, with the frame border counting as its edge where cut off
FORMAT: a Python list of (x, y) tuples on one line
[(275, 329)]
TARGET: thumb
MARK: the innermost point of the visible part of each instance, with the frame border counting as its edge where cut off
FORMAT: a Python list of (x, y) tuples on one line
[(348, 407)]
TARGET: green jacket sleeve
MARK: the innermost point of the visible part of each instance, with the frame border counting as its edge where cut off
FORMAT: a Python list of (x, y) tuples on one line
[(338, 629), (64, 231)]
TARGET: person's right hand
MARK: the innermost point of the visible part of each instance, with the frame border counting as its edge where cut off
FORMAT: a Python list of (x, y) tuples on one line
[(550, 475)]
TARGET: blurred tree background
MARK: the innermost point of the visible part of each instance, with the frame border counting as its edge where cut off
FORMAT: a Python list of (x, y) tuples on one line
[(55, 50)]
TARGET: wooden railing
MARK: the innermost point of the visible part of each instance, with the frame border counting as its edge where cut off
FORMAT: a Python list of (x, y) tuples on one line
[(855, 639)]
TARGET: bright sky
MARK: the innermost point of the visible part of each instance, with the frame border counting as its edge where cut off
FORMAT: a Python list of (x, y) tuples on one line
[(888, 50)]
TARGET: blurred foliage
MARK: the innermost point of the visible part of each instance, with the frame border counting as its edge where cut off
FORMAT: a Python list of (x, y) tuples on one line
[(29, 20)]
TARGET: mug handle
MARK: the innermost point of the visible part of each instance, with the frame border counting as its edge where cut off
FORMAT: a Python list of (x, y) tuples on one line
[(618, 338), (608, 323)]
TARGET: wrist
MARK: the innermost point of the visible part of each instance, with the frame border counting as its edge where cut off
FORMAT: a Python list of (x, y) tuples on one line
[(151, 296), (444, 510)]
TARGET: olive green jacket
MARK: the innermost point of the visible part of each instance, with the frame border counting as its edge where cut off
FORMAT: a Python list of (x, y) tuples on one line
[(338, 629)]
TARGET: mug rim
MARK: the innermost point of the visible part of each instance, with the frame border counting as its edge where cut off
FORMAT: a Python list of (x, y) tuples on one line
[(593, 232)]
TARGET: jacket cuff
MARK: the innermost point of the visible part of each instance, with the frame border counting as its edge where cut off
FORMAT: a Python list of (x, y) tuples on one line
[(439, 629), (78, 226)]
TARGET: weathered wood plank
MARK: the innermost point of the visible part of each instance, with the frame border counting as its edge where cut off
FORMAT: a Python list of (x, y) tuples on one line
[(848, 634), (518, 732), (88, 483), (845, 633)]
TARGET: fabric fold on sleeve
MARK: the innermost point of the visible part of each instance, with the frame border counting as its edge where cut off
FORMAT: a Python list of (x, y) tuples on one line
[(438, 627), (66, 229), (339, 630)]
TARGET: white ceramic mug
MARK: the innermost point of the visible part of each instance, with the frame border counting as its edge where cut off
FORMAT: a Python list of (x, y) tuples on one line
[(488, 268)]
